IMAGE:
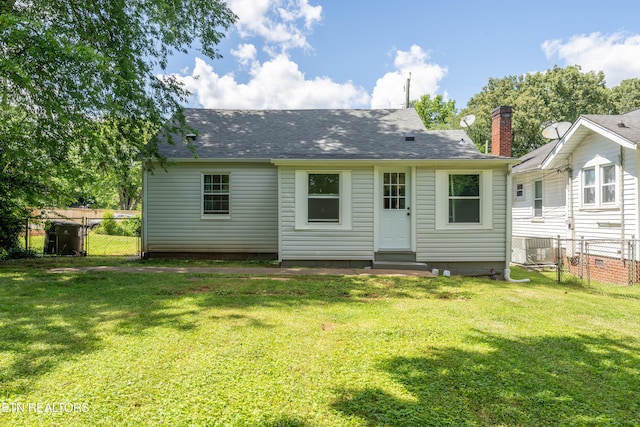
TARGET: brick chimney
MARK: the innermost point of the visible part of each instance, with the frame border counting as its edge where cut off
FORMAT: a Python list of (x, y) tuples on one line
[(501, 135)]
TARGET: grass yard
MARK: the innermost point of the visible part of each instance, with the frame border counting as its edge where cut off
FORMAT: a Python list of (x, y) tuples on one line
[(147, 349)]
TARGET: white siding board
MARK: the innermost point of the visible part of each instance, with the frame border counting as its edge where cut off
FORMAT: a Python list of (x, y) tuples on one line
[(553, 221), (173, 210), (434, 245), (353, 244), (589, 222)]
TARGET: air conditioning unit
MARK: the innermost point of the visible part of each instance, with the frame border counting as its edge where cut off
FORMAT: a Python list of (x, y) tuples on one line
[(532, 250)]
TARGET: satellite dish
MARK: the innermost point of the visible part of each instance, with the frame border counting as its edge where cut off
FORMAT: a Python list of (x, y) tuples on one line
[(467, 121), (556, 130)]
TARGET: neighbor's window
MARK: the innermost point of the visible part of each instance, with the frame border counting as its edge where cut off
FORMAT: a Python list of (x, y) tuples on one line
[(323, 197), (589, 186), (519, 191), (464, 198), (215, 193), (599, 185), (537, 199), (608, 186)]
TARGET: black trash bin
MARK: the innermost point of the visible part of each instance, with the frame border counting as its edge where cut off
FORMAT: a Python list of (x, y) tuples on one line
[(50, 240), (64, 238)]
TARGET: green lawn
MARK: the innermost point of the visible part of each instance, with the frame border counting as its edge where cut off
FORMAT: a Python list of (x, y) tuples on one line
[(138, 349)]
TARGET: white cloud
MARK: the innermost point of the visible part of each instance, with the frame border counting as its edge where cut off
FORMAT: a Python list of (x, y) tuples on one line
[(279, 22), (389, 91), (278, 83), (274, 84), (246, 54), (617, 55)]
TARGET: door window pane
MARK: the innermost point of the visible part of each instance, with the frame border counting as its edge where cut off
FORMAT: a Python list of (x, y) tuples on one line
[(394, 190)]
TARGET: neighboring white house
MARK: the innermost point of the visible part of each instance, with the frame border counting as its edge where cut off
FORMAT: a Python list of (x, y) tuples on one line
[(584, 185), (349, 187)]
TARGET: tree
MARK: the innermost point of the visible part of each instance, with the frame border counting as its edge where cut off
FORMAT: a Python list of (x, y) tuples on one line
[(626, 96), (65, 66), (435, 112), (115, 162), (539, 99)]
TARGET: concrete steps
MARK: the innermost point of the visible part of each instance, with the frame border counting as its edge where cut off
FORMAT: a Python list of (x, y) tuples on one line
[(400, 265)]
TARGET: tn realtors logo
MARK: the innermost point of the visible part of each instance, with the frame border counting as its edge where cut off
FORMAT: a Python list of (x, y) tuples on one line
[(42, 408)]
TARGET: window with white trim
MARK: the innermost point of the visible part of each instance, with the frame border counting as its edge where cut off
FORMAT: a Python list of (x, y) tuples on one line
[(537, 199), (599, 185), (519, 195), (215, 194), (323, 195), (589, 186), (323, 199), (608, 186), (464, 199)]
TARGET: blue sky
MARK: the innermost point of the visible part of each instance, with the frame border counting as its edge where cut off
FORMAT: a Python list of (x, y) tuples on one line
[(285, 54)]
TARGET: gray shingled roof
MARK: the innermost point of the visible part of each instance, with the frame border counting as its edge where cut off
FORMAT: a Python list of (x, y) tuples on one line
[(631, 121), (611, 123), (318, 134), (534, 159)]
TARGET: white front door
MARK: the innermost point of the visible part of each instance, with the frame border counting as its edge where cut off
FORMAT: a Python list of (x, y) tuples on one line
[(395, 212)]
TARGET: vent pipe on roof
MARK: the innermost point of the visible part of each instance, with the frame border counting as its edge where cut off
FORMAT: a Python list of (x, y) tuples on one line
[(407, 89)]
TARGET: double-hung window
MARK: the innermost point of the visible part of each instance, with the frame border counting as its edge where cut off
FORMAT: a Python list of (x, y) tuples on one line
[(519, 191), (599, 186), (537, 199), (589, 186), (323, 200), (323, 197), (608, 186), (215, 194), (464, 199)]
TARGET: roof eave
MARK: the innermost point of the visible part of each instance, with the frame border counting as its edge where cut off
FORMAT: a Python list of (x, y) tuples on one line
[(498, 161), (488, 161), (564, 144)]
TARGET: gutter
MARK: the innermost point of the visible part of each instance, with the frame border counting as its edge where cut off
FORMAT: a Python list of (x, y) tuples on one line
[(507, 258)]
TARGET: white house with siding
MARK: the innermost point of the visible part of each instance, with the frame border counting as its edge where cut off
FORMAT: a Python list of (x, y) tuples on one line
[(347, 187), (584, 185)]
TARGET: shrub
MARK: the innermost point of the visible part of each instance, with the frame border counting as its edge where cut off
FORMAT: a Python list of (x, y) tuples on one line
[(130, 226), (113, 226), (108, 225), (17, 253)]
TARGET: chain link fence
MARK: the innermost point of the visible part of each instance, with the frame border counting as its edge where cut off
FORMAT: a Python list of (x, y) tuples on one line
[(613, 261), (117, 235)]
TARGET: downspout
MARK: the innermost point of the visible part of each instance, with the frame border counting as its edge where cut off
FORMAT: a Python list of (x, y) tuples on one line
[(568, 185), (507, 258), (143, 211), (622, 222)]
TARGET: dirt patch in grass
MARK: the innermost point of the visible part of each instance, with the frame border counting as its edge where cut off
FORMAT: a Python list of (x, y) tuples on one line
[(200, 290), (328, 326)]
